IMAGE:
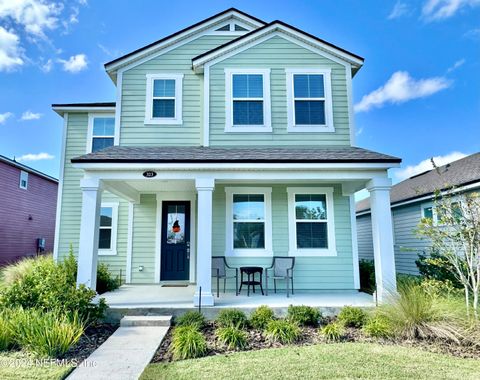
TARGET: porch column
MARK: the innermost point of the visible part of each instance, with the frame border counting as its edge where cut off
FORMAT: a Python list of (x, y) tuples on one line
[(205, 188), (89, 226), (382, 233)]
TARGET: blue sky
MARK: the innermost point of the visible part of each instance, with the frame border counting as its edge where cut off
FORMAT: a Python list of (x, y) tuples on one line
[(417, 96)]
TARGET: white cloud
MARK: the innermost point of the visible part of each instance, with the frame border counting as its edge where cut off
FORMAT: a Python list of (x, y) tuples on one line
[(399, 9), (4, 117), (400, 88), (29, 115), (456, 65), (474, 34), (35, 157), (426, 165), (75, 63), (10, 51), (436, 10), (47, 66)]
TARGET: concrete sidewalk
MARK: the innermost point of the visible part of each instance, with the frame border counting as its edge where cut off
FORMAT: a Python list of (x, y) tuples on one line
[(126, 353)]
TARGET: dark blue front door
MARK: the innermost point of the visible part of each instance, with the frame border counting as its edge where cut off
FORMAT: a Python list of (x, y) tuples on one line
[(175, 258)]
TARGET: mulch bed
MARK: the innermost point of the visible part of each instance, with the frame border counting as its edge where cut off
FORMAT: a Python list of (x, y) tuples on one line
[(92, 338), (311, 335)]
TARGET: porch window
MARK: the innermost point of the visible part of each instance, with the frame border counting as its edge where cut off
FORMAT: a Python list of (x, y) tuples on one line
[(101, 131), (309, 100), (249, 221), (311, 225), (248, 100), (107, 236), (164, 99)]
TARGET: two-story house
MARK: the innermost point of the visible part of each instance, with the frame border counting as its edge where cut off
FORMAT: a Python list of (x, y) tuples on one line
[(232, 137)]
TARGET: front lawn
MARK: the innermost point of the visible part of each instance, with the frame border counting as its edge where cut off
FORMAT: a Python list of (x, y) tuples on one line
[(323, 361), (20, 366)]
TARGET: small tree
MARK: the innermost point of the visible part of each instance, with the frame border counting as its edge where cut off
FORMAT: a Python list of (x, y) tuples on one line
[(454, 232)]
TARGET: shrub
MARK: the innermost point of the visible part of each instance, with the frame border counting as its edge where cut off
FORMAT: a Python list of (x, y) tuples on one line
[(232, 317), (436, 288), (413, 313), (7, 337), (333, 332), (191, 318), (436, 267), (367, 276), (232, 337), (46, 334), (303, 315), (105, 281), (377, 327), (282, 331), (352, 316), (261, 316), (41, 283), (188, 343)]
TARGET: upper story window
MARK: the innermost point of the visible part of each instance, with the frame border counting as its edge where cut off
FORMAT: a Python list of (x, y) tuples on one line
[(247, 100), (108, 229), (164, 99), (311, 223), (309, 100), (101, 131), (23, 180)]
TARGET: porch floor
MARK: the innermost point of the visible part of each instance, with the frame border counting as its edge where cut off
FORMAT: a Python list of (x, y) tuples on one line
[(158, 297)]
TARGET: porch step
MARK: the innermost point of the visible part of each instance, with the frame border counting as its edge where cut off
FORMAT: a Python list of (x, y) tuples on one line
[(145, 320)]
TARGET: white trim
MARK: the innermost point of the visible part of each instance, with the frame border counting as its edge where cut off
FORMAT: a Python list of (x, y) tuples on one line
[(229, 250), (231, 31), (327, 84), (64, 110), (23, 177), (128, 266), (206, 106), (278, 29), (267, 123), (113, 247), (60, 188), (351, 116), (177, 119), (118, 108), (353, 227), (187, 196), (91, 117), (293, 250)]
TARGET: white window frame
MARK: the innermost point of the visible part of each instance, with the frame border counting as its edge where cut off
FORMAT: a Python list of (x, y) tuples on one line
[(177, 119), (255, 252), (113, 246), (292, 222), (23, 177), (91, 118), (267, 117), (327, 84)]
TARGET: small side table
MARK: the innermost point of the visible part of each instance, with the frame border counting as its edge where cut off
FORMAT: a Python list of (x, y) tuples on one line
[(250, 272)]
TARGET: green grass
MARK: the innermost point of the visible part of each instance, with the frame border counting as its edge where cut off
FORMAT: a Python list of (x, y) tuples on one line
[(15, 366), (325, 361)]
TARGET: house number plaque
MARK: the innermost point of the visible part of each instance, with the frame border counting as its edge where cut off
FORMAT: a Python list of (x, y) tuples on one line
[(149, 174)]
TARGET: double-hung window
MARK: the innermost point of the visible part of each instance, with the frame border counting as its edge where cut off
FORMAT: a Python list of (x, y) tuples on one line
[(249, 228), (247, 100), (101, 131), (164, 99), (309, 98), (107, 236), (23, 180), (311, 222)]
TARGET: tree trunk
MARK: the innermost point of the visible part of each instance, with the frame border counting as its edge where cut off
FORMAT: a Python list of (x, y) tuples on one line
[(467, 301)]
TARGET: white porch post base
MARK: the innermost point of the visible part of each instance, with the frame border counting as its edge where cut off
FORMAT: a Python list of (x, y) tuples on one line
[(89, 226), (382, 232), (205, 188)]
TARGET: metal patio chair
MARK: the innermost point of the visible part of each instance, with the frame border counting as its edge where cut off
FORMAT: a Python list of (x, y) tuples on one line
[(282, 267), (219, 270)]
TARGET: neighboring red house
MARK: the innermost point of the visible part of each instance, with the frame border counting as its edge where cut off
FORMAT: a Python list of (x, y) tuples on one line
[(28, 202)]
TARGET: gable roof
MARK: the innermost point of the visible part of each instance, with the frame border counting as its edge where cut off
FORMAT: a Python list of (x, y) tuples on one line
[(197, 154), (26, 168), (463, 172), (277, 25), (184, 33), (76, 107)]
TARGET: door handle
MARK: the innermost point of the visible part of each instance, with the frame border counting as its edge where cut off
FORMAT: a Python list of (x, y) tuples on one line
[(188, 253)]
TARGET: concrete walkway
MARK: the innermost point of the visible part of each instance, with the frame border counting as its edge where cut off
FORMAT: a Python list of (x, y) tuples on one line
[(126, 353)]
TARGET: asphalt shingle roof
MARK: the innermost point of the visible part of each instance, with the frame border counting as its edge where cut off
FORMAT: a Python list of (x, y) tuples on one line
[(458, 173), (164, 154)]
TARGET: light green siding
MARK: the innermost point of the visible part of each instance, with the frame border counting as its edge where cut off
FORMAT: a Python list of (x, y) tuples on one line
[(277, 54), (178, 61), (72, 199), (310, 272)]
